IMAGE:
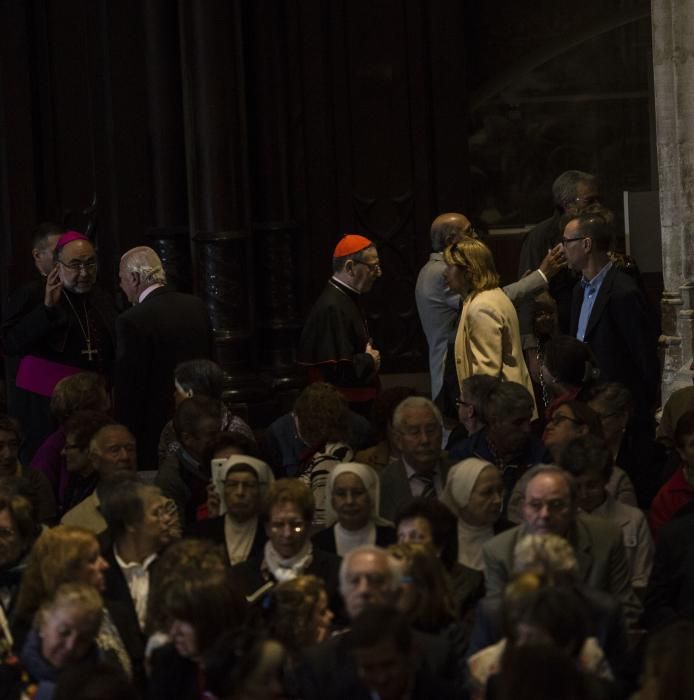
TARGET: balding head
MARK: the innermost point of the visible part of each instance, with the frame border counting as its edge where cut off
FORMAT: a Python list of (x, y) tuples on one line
[(449, 228), (112, 449), (140, 268), (367, 577)]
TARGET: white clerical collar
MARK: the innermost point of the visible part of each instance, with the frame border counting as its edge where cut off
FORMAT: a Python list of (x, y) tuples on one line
[(147, 292), (345, 284)]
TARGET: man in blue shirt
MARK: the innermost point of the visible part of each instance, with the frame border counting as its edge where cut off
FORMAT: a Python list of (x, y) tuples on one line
[(610, 314)]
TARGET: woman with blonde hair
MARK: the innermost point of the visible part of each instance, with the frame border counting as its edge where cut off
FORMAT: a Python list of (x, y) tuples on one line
[(488, 339), (60, 556), (64, 634)]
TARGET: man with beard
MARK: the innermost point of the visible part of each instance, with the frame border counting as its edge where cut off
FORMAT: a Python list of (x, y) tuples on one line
[(57, 326)]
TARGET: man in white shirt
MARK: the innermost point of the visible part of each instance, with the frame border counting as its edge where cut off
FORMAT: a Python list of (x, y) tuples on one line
[(138, 528)]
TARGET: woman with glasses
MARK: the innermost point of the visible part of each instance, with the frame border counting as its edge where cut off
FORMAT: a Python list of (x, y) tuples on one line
[(574, 419), (488, 339), (288, 553), (351, 509)]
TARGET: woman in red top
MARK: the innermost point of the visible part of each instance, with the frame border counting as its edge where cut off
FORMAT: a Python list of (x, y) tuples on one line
[(678, 491)]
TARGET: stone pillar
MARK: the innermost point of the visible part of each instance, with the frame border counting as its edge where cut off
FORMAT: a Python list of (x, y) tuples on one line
[(673, 73), (169, 235), (276, 235), (214, 107)]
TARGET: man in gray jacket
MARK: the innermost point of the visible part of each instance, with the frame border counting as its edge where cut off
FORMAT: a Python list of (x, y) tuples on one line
[(549, 506)]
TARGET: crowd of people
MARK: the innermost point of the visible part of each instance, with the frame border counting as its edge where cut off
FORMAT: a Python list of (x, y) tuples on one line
[(520, 532)]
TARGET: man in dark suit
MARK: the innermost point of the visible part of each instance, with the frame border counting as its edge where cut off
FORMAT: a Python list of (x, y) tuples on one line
[(609, 313), (389, 662), (367, 581), (136, 532), (549, 506), (162, 329), (422, 468)]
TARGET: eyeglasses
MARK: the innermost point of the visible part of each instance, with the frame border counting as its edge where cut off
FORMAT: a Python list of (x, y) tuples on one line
[(373, 267), (586, 201), (566, 241), (115, 449), (558, 419), (86, 266), (554, 506), (296, 526)]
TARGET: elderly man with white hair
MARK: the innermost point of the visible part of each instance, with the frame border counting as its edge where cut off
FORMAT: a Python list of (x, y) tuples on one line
[(163, 328), (368, 577), (423, 466)]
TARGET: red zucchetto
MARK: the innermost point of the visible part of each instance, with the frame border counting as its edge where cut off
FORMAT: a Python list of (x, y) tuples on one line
[(350, 244), (68, 237)]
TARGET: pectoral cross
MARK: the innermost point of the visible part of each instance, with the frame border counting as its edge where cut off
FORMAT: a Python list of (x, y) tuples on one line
[(89, 351)]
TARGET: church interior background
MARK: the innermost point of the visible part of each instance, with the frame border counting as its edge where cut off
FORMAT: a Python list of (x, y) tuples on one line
[(240, 138)]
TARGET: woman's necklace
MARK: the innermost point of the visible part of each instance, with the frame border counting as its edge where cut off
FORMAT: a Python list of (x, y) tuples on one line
[(86, 331)]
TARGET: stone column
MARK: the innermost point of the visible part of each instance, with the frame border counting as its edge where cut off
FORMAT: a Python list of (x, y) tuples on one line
[(673, 73), (214, 107), (169, 235)]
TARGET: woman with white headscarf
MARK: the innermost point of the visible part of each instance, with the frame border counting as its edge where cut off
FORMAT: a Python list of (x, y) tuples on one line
[(351, 511), (474, 492), (242, 482)]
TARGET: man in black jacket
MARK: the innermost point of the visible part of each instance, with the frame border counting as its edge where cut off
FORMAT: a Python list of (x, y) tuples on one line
[(610, 314), (162, 329)]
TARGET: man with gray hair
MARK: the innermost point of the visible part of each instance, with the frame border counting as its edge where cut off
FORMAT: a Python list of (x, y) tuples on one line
[(439, 307), (163, 328), (549, 507), (552, 559), (367, 578), (572, 192), (422, 468), (506, 440)]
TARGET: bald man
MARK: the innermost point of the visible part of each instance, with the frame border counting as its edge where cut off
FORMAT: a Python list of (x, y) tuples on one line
[(162, 329), (439, 307)]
